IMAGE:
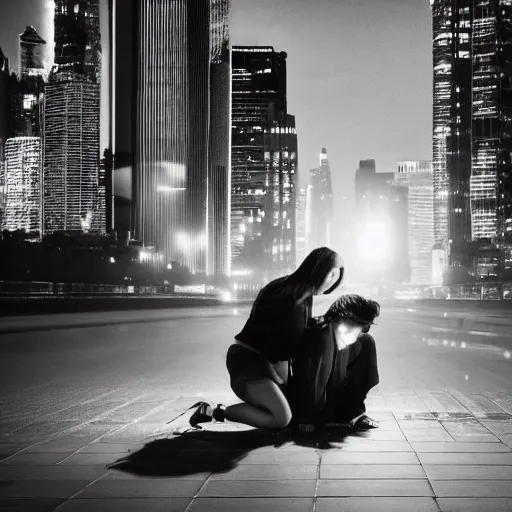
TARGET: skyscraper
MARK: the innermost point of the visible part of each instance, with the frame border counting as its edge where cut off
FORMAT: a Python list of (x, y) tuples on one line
[(263, 164), (472, 48), (28, 90), (71, 128), (70, 153), (321, 197), (219, 150), (31, 52), (23, 185), (417, 177), (172, 127), (77, 37)]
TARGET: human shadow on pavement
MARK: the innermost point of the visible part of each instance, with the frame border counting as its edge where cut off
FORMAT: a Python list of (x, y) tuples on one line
[(206, 451)]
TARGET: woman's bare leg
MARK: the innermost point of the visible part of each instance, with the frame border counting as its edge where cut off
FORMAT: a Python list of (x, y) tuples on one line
[(265, 406)]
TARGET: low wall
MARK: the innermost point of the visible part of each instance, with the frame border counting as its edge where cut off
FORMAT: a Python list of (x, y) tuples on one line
[(58, 305)]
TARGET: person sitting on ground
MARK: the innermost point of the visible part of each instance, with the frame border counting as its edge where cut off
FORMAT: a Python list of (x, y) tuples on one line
[(336, 367), (258, 360)]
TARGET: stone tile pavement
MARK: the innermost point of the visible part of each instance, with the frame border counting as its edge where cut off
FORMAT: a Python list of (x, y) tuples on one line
[(434, 451)]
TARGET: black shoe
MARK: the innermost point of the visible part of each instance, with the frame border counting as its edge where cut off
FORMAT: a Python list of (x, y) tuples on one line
[(363, 422), (203, 414)]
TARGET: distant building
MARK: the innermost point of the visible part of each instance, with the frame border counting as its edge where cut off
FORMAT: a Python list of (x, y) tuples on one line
[(70, 153), (31, 52), (23, 185), (417, 177), (27, 90), (322, 205), (263, 165), (376, 234), (300, 226)]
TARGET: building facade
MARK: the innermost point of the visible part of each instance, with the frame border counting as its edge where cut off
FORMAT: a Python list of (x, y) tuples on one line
[(28, 89), (70, 153), (72, 196), (472, 51), (77, 38), (417, 177), (23, 185), (31, 54), (172, 129), (300, 225), (263, 164), (322, 206), (219, 137)]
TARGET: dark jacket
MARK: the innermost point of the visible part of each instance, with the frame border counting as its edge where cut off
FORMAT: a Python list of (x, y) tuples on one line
[(276, 322)]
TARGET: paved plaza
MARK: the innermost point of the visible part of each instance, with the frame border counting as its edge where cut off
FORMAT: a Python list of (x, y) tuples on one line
[(95, 418)]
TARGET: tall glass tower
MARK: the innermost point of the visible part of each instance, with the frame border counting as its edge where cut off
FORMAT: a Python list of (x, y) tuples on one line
[(472, 126), (172, 128), (263, 164)]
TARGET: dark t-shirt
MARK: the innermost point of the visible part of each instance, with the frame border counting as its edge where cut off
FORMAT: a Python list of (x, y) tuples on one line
[(276, 322)]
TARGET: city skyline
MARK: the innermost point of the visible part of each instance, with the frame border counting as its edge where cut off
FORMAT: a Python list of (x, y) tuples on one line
[(329, 80)]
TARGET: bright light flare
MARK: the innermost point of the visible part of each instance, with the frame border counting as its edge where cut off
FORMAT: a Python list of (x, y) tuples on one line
[(374, 243), (225, 296)]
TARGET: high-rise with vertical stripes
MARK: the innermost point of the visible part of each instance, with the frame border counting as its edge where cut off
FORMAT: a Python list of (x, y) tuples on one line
[(172, 128)]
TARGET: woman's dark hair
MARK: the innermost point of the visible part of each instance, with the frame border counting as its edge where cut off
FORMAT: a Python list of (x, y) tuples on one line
[(311, 274), (353, 307)]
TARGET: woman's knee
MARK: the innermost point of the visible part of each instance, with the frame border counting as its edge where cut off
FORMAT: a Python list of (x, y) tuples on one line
[(267, 395)]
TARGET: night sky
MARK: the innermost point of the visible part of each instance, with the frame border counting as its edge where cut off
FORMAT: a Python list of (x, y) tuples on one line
[(359, 73)]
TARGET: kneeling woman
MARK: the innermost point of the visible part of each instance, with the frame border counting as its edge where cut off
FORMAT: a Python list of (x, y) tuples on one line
[(258, 362), (336, 366)]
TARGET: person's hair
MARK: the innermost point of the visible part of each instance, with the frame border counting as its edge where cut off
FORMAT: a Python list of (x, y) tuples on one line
[(311, 274), (354, 308)]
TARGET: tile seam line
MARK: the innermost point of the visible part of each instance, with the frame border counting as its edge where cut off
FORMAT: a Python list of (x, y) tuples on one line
[(121, 428), (76, 427), (419, 460), (87, 402), (317, 484), (100, 477)]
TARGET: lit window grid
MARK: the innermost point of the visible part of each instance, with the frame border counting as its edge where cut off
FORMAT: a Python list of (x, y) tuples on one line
[(70, 154), (23, 185)]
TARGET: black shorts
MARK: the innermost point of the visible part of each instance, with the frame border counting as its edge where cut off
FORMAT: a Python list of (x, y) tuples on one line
[(244, 366)]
